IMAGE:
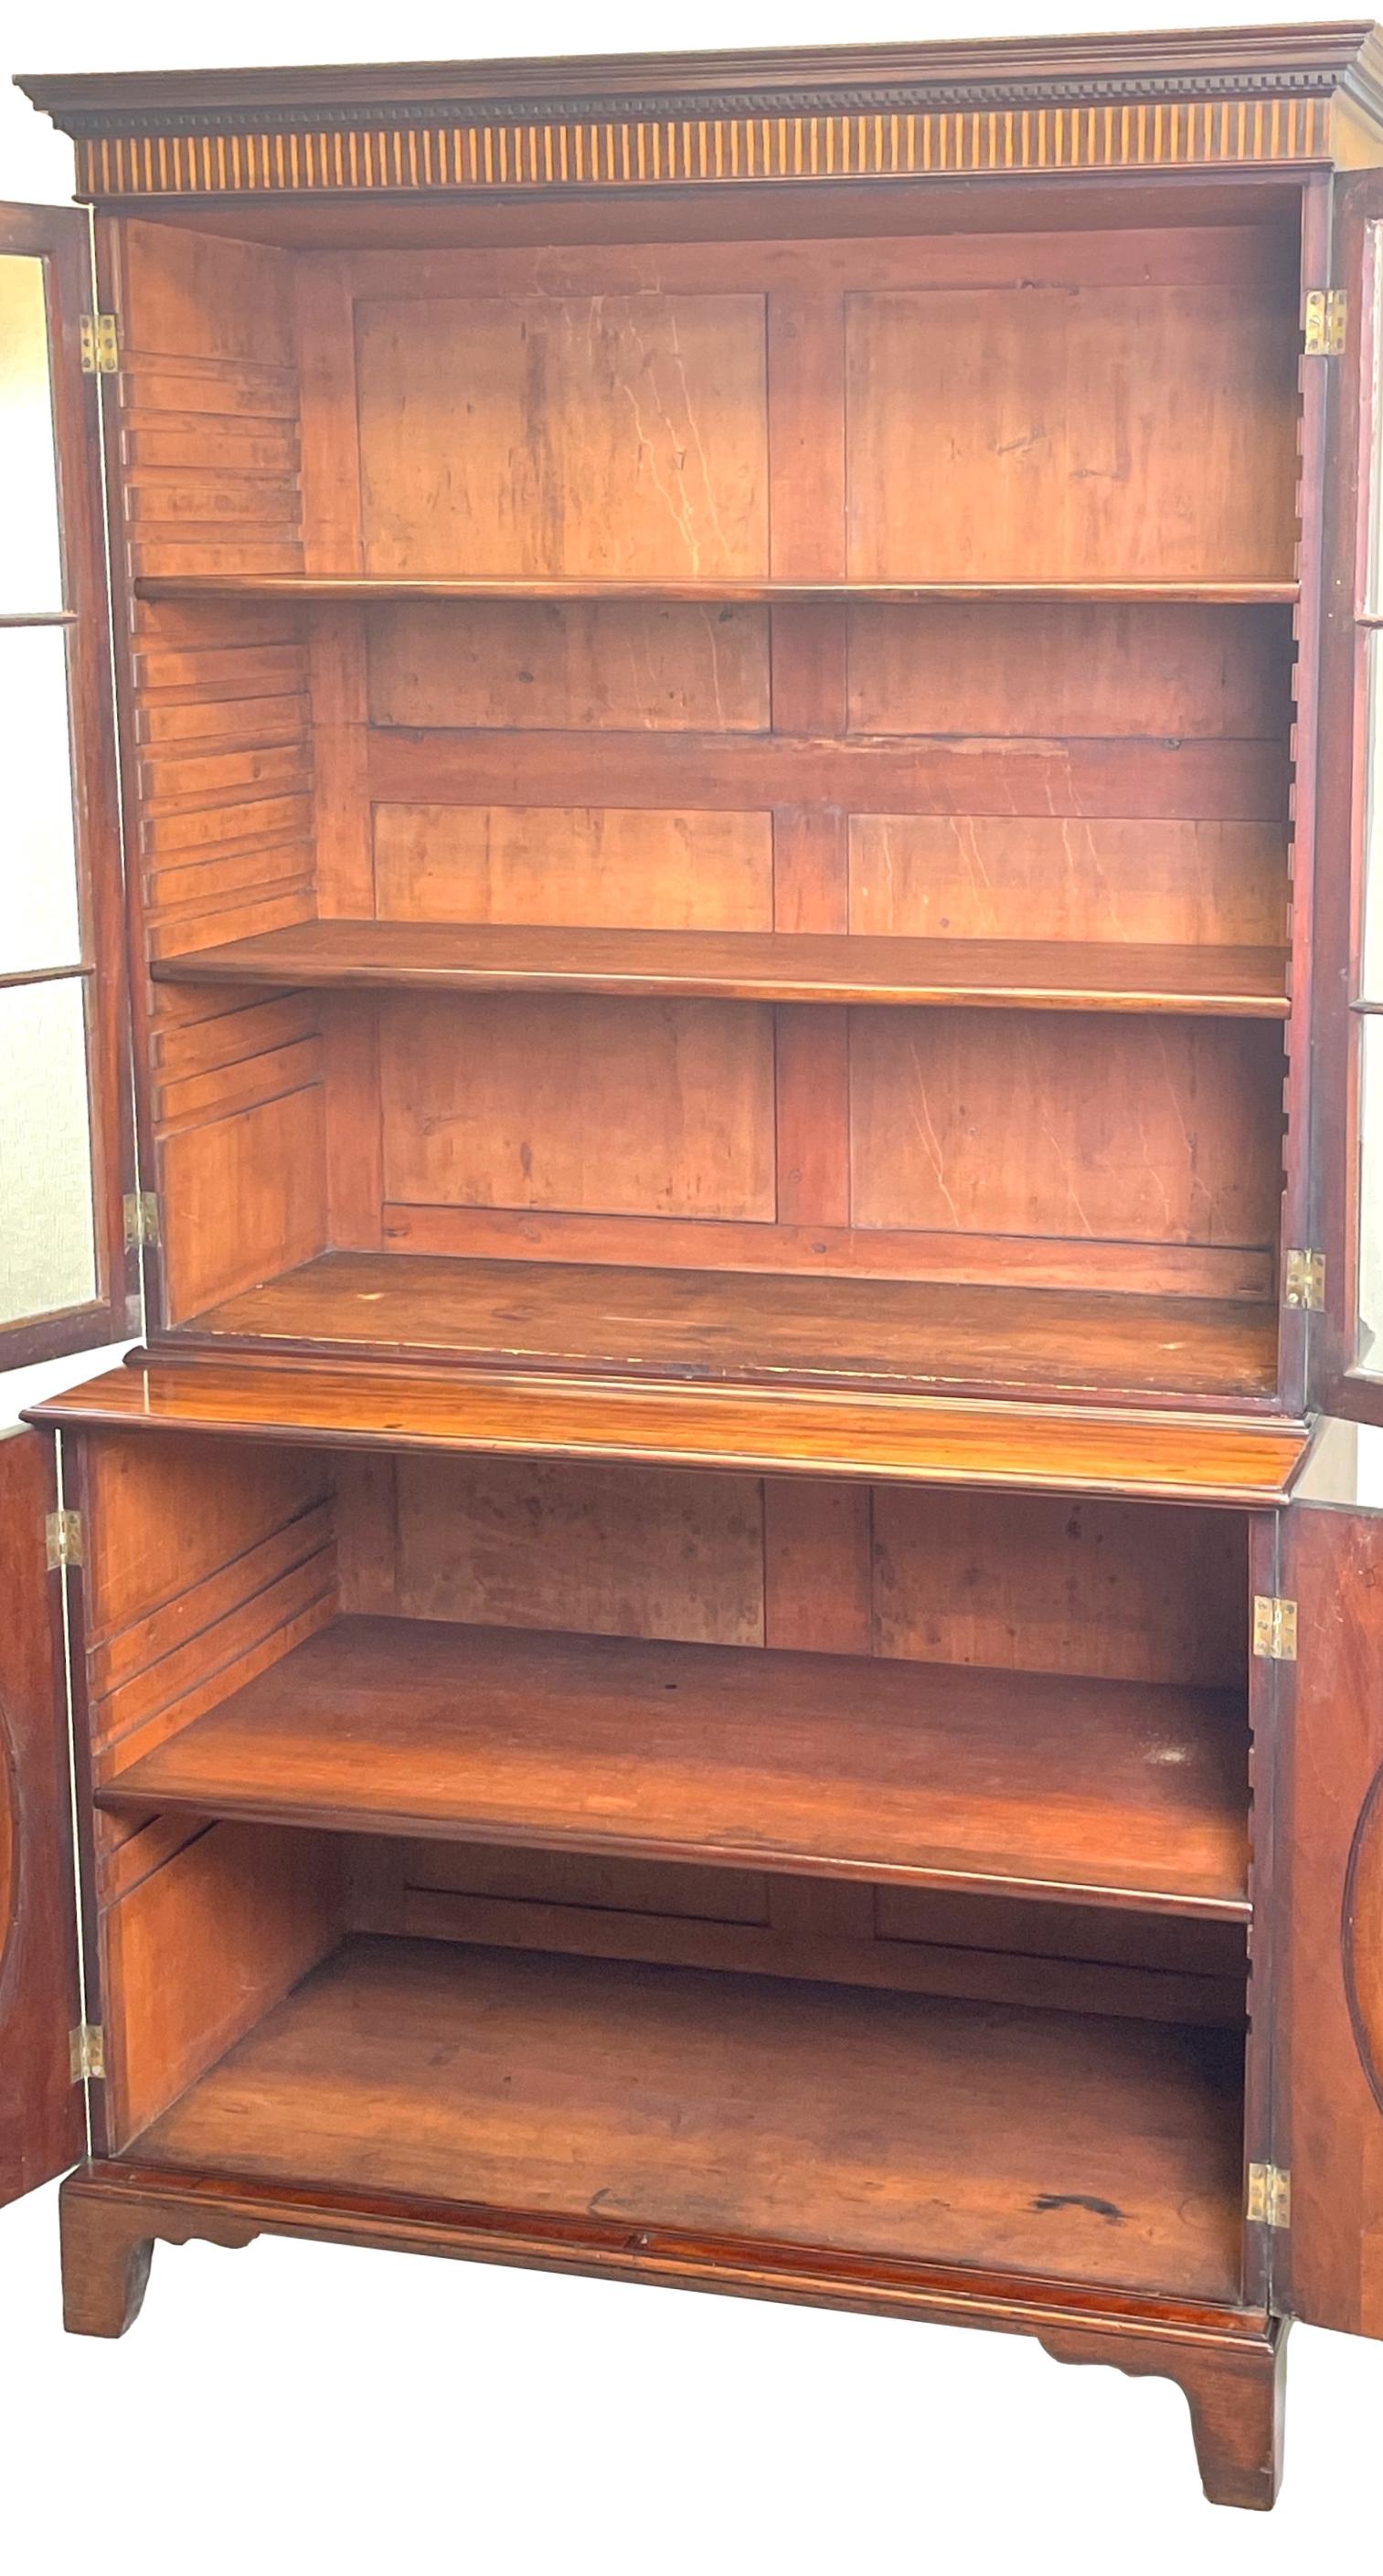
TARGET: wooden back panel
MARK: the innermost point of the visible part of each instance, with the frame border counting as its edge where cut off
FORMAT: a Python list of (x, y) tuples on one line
[(958, 770), (1077, 406), (1022, 1582)]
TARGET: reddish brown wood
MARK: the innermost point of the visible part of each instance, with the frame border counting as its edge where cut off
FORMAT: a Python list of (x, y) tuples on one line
[(818, 1295), (775, 966), (611, 1318), (721, 587), (42, 2124), (1237, 2396), (1226, 781), (1047, 1449), (108, 2244), (1328, 2084), (163, 2204), (105, 2267), (394, 2064), (787, 1761)]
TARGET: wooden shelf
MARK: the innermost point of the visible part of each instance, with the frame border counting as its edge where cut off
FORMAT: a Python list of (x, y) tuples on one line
[(1121, 1793), (747, 965), (750, 592), (917, 1440), (752, 1327), (1053, 2144)]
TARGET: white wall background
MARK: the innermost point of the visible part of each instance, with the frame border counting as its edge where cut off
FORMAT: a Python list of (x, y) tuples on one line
[(301, 2408)]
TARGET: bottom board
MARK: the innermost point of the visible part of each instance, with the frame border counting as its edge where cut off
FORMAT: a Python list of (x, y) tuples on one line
[(1065, 2146)]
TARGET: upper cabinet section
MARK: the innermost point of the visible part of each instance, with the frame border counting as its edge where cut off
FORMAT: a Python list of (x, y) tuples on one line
[(709, 752)]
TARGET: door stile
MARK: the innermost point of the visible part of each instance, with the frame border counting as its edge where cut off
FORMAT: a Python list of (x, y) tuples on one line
[(42, 2110), (107, 237), (1341, 797), (1295, 1324), (1263, 2145), (85, 504), (75, 1487)]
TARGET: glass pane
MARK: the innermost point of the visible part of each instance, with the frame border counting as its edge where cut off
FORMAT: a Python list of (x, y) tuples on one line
[(39, 923), (1345, 1468), (47, 1241), (30, 554), (1370, 1345)]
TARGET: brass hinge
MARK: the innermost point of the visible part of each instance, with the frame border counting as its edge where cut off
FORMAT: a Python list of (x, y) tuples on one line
[(1303, 1280), (100, 345), (1270, 2196), (141, 1218), (1325, 322), (1275, 1628), (87, 2052), (62, 1539)]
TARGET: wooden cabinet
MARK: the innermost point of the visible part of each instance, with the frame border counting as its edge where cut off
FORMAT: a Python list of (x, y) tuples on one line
[(723, 1634)]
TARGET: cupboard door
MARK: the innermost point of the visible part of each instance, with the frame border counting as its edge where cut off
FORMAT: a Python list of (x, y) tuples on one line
[(42, 2118), (1328, 2110)]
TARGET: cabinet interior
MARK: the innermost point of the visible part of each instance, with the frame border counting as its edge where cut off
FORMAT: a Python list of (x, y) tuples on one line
[(745, 970), (446, 1782)]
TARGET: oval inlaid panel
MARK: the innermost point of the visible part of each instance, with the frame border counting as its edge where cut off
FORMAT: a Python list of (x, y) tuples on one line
[(1361, 1932)]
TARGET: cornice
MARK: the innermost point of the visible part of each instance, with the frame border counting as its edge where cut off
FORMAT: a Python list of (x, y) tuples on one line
[(1305, 62), (1204, 98)]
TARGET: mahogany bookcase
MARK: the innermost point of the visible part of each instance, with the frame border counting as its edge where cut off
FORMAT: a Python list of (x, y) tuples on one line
[(729, 1630)]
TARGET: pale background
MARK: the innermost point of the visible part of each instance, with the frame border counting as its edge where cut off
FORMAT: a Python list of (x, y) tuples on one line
[(309, 2408)]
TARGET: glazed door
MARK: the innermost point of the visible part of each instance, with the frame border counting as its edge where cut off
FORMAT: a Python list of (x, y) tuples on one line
[(42, 2113), (1328, 1885), (1346, 1219), (65, 1142)]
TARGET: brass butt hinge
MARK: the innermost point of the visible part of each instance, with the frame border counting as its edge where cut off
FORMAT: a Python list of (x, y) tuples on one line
[(100, 345), (62, 1539), (1275, 1628), (1325, 322), (87, 2051), (1303, 1280), (1270, 2196), (141, 1218)]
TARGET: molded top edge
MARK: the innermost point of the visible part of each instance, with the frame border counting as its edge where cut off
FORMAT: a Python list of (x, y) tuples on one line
[(1201, 62)]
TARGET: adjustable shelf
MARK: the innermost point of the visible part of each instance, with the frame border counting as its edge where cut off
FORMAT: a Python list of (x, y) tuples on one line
[(586, 2092), (764, 966), (877, 1438), (762, 1328), (1119, 1793), (735, 591)]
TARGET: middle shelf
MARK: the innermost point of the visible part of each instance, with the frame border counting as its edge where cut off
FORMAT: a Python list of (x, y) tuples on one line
[(746, 965), (1118, 1793)]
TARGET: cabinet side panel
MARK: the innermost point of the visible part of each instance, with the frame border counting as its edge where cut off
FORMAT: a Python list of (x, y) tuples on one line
[(203, 1569), (195, 1953), (218, 741)]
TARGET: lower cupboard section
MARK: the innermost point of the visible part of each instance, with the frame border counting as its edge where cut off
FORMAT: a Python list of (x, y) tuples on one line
[(1077, 2146)]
